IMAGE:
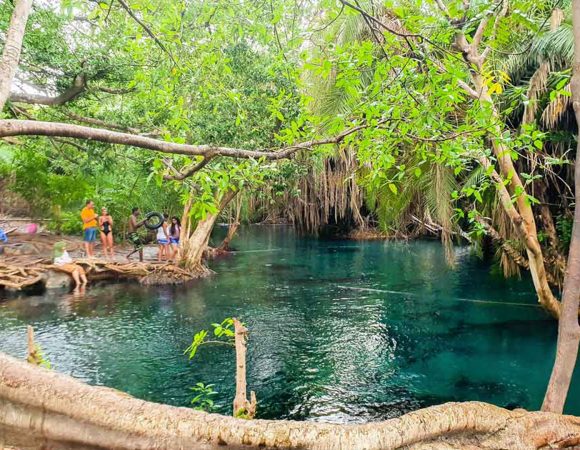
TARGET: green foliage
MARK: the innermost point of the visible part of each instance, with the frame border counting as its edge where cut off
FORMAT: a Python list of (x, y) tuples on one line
[(38, 357), (564, 226), (202, 399), (198, 339), (221, 330), (224, 334), (244, 76)]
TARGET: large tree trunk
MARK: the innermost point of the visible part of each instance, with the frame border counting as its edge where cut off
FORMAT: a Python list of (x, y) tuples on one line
[(39, 403), (568, 327), (13, 47), (521, 212), (193, 245)]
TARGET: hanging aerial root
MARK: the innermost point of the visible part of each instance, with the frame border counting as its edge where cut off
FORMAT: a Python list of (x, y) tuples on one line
[(39, 402)]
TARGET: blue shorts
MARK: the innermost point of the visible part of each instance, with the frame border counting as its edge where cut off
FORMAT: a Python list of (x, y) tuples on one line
[(90, 234), (162, 241), (174, 240)]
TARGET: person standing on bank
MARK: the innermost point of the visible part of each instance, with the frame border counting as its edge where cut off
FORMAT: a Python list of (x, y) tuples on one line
[(163, 240), (133, 236), (106, 227), (89, 218), (174, 234)]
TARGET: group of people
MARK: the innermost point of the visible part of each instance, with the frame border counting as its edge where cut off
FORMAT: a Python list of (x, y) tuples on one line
[(93, 224), (167, 233), (167, 236)]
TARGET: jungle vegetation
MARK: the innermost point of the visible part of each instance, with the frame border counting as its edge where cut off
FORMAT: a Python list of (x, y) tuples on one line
[(395, 118)]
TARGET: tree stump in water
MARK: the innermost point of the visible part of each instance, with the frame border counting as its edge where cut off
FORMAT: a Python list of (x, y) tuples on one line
[(242, 407)]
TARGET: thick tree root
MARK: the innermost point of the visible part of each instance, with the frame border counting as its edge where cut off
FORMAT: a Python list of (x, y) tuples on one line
[(19, 276), (46, 404)]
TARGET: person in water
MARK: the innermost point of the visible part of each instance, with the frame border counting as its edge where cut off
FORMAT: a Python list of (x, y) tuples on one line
[(66, 264), (89, 218), (163, 240), (174, 232), (133, 225), (106, 227)]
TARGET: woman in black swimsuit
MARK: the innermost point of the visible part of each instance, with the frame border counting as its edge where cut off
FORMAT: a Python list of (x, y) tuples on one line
[(106, 227)]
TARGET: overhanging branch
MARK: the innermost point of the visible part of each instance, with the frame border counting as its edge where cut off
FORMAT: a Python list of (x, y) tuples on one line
[(12, 127)]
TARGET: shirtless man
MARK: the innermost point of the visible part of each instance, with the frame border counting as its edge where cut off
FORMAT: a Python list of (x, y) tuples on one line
[(133, 236)]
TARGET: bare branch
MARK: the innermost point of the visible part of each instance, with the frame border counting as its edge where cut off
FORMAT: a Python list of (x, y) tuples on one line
[(100, 123), (117, 91), (187, 171), (78, 87), (443, 8), (381, 24), (480, 30), (12, 127)]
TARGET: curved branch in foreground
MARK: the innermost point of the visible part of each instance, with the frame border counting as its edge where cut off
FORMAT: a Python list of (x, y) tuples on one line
[(12, 127), (78, 87), (43, 403)]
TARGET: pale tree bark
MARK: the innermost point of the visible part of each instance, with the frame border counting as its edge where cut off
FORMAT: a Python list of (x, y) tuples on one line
[(13, 47), (193, 245), (11, 127), (524, 220), (568, 327), (78, 87), (36, 402), (242, 407)]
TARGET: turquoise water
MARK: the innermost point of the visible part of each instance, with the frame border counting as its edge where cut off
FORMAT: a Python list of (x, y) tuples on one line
[(340, 331)]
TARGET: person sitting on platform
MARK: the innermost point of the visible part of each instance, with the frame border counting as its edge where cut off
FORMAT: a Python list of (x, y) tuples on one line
[(66, 264)]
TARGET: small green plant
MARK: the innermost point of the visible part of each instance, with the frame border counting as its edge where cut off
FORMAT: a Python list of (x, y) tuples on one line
[(38, 358), (225, 334), (221, 330), (202, 400)]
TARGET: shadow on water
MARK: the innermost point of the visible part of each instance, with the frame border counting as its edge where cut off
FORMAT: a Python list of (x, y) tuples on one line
[(339, 331)]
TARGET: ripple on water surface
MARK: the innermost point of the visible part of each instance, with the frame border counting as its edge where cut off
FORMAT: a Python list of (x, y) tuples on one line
[(339, 331)]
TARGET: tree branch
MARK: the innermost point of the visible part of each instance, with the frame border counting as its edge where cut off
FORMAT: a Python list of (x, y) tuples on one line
[(147, 30), (443, 8), (501, 15), (78, 87), (100, 123), (187, 171), (12, 127), (480, 29), (110, 90)]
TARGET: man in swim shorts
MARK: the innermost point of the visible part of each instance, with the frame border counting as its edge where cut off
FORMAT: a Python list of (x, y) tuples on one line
[(133, 236), (89, 218)]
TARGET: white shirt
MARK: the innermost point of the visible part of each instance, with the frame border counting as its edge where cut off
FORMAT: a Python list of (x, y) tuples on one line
[(161, 232), (63, 259)]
